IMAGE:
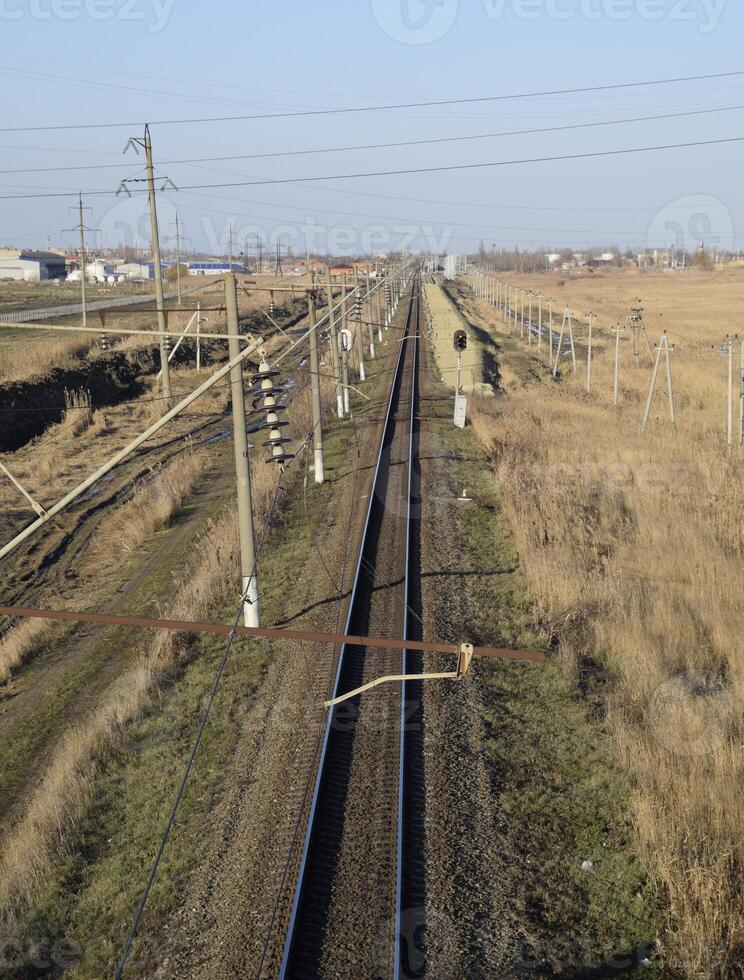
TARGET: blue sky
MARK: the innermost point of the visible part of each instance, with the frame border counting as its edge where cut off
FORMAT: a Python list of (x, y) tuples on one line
[(92, 61)]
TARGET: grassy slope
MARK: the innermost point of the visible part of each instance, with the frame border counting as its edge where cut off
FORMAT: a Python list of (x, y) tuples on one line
[(91, 902), (557, 783)]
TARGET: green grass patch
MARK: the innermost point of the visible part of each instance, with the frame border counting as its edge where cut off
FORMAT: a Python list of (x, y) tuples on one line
[(551, 762)]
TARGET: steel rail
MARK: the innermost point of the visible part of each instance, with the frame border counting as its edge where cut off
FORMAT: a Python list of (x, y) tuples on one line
[(331, 714), (413, 339)]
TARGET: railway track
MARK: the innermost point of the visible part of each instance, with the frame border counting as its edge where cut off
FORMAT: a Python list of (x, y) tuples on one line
[(362, 859)]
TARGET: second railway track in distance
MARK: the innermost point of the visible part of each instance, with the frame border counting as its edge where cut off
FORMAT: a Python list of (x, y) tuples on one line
[(361, 869)]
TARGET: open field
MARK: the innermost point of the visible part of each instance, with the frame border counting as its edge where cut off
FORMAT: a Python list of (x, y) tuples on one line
[(632, 545)]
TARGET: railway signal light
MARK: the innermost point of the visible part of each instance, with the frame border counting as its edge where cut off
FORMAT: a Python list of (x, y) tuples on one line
[(461, 341)]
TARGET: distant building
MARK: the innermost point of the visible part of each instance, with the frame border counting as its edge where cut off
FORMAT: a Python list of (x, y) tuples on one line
[(31, 266), (342, 269), (136, 270), (98, 270), (214, 268)]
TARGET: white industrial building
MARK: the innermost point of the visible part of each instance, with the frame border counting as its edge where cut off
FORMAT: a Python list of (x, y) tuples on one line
[(31, 266), (99, 270), (135, 270)]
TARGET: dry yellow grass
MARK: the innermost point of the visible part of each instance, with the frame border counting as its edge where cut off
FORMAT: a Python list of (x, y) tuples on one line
[(37, 357), (39, 838), (633, 547), (156, 501), (20, 643)]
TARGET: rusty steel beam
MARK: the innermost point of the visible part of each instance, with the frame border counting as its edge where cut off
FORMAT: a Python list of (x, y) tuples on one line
[(267, 632)]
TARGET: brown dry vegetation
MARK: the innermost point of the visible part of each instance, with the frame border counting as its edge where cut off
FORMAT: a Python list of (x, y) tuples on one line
[(156, 501), (24, 360), (40, 838), (31, 848), (19, 643), (633, 546)]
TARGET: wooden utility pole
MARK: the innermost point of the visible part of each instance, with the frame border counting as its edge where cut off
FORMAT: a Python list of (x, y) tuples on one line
[(551, 302), (242, 464)]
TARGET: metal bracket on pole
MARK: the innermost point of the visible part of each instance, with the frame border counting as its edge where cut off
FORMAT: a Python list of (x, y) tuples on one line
[(463, 666)]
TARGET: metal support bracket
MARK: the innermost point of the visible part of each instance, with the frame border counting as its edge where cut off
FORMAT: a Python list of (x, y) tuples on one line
[(463, 666)]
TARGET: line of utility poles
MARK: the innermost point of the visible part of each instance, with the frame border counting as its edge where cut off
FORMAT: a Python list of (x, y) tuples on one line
[(82, 228), (146, 143), (177, 238)]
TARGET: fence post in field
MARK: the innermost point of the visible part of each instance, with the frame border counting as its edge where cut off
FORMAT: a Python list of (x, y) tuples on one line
[(617, 330), (591, 316)]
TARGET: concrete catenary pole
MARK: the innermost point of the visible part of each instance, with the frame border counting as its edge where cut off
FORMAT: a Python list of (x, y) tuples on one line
[(159, 300), (359, 329), (242, 465), (334, 349), (315, 386)]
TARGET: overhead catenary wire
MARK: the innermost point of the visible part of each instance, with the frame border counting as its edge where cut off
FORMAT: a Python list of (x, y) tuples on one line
[(265, 182), (380, 107), (393, 145)]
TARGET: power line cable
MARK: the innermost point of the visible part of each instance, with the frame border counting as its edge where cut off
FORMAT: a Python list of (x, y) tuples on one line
[(377, 108), (393, 145), (394, 173)]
